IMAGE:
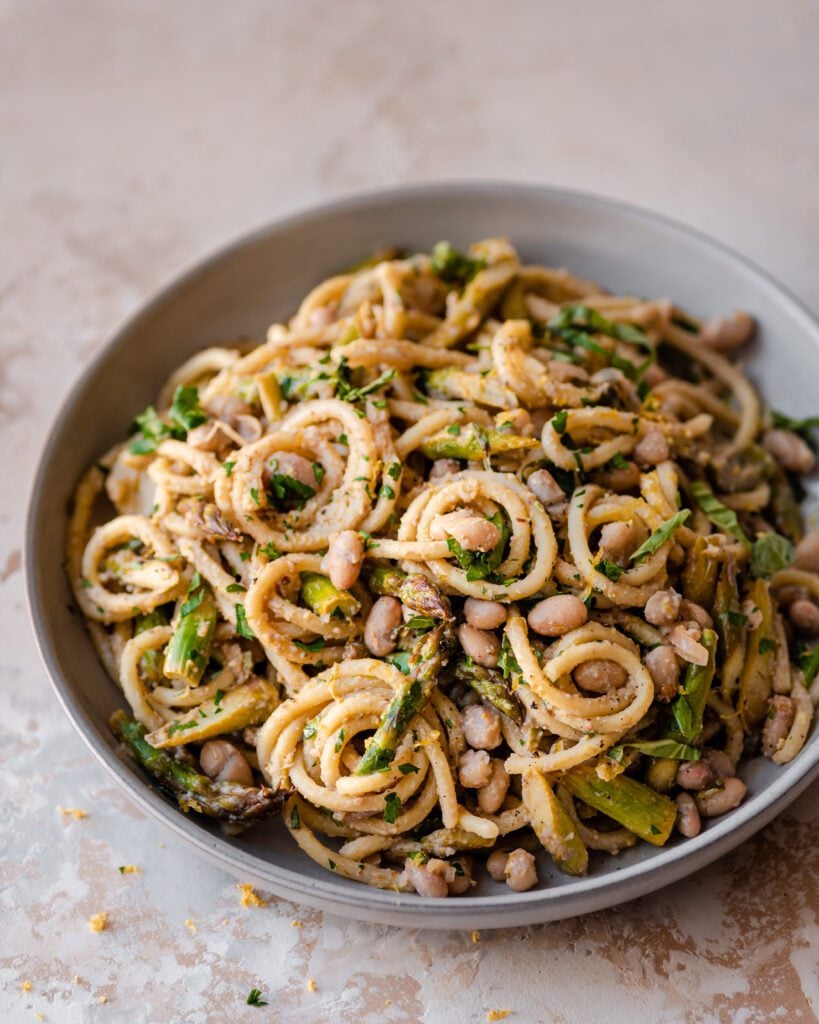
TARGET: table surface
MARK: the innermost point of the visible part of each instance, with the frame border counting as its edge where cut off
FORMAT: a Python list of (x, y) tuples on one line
[(139, 136)]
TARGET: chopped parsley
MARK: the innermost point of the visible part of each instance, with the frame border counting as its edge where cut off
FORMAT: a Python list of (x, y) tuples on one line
[(392, 808), (312, 646), (295, 819), (242, 627), (482, 565), (561, 421), (254, 998), (454, 267), (408, 769)]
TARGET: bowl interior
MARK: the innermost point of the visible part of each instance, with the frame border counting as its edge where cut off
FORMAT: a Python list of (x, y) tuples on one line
[(261, 279)]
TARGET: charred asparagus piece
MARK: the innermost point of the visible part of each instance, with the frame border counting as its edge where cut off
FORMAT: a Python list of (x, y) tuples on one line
[(428, 657), (473, 443), (641, 810), (321, 597), (225, 801), (491, 686), (187, 653), (412, 589)]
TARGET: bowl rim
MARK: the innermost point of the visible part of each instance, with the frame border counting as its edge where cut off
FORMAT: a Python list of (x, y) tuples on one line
[(590, 893)]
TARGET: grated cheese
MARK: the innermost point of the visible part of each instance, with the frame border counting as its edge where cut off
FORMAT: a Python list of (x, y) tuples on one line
[(98, 922), (77, 813), (250, 898)]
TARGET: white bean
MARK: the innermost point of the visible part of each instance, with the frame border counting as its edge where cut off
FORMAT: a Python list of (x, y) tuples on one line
[(688, 817), (652, 448), (557, 615), (807, 552), (484, 614), (223, 762), (664, 670), (714, 802), (427, 879), (444, 467), (480, 645), (482, 727), (496, 865), (600, 676), (805, 616), (293, 465), (544, 487), (790, 450), (663, 608), (520, 871), (344, 558), (778, 724), (492, 795), (384, 618), (618, 540), (474, 769), (727, 333)]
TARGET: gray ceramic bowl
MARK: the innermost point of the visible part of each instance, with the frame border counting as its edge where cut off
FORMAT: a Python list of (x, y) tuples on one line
[(238, 292)]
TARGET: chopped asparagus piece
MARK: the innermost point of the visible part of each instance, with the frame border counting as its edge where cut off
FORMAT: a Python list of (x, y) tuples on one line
[(700, 574), (444, 842), (756, 681), (491, 686), (689, 706), (552, 825), (226, 801), (249, 704), (474, 443), (321, 597), (641, 810), (188, 650), (270, 395), (428, 656), (414, 590)]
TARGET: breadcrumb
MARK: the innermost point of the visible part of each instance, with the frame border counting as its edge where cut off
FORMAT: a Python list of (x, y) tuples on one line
[(103, 999), (76, 979), (99, 921), (27, 986), (494, 1015), (129, 869), (77, 813), (476, 936), (297, 924), (191, 926), (249, 897), (39, 1015), (311, 985)]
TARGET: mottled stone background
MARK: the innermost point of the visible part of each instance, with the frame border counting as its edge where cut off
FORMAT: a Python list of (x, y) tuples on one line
[(136, 136)]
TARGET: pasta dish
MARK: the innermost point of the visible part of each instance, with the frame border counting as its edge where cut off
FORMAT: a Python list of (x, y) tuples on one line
[(469, 560)]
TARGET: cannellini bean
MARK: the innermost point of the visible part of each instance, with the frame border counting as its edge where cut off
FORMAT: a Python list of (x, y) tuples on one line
[(721, 764), (807, 552), (462, 882), (492, 795), (619, 479), (482, 727), (685, 639), (228, 407), (480, 645), (484, 614), (544, 487), (600, 676), (223, 762), (249, 427), (520, 870), (790, 450), (291, 464), (560, 371), (805, 616), (785, 596), (444, 467), (427, 879), (695, 775), (664, 670), (663, 608), (652, 448), (384, 618), (496, 865), (474, 769), (472, 532), (727, 333), (344, 558), (696, 613), (713, 802), (209, 437), (688, 817), (654, 375), (781, 713), (618, 540), (557, 615)]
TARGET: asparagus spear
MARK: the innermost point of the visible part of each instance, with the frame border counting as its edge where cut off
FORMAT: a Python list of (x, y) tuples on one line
[(226, 801), (491, 686), (689, 706), (552, 825), (414, 590), (150, 664), (730, 626), (700, 574), (187, 653), (428, 656), (641, 810), (443, 842), (755, 683), (249, 704), (788, 517), (321, 597), (270, 395), (474, 443)]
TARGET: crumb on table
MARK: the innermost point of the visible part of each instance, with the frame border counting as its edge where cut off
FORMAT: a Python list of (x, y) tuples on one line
[(98, 922), (249, 897)]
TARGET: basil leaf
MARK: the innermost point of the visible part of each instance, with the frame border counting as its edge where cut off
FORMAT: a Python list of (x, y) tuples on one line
[(720, 515), (657, 748), (770, 553), (660, 535)]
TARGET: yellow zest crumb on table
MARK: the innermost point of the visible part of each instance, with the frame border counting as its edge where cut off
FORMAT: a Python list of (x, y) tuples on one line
[(76, 979), (98, 922), (311, 985), (39, 1016), (297, 924), (476, 936), (77, 813), (27, 986), (191, 926), (129, 869), (249, 898), (494, 1015), (103, 999)]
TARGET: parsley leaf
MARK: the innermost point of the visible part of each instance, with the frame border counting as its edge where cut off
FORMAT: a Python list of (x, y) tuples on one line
[(254, 998), (657, 748), (312, 646), (452, 266), (482, 565), (242, 627), (507, 662), (392, 807), (186, 411), (609, 569), (295, 818)]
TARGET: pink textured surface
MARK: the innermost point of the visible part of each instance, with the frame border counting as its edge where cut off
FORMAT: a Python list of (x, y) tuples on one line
[(138, 136)]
